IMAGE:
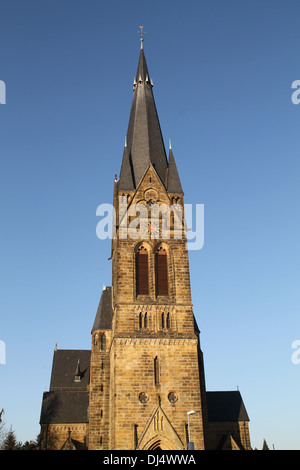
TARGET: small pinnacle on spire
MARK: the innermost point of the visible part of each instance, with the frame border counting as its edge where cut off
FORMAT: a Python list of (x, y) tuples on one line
[(141, 32), (170, 145)]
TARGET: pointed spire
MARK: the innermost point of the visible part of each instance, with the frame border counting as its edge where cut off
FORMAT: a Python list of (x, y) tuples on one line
[(144, 138), (174, 184), (142, 70), (126, 180)]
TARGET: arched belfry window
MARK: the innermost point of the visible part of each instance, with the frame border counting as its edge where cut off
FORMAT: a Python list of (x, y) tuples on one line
[(165, 321), (142, 272), (143, 320), (162, 287)]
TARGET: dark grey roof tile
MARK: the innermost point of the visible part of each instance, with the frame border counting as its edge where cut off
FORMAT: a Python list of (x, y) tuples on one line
[(103, 319), (226, 406), (144, 138), (64, 407), (65, 363)]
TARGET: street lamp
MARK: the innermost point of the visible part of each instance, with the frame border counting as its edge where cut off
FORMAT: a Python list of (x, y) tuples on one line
[(190, 444)]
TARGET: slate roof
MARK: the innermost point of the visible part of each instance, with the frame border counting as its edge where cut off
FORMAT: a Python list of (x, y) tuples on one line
[(144, 141), (226, 406), (64, 407), (174, 184), (65, 362), (103, 319), (68, 399)]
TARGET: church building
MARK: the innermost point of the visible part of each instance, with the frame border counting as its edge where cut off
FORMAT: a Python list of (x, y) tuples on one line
[(142, 384)]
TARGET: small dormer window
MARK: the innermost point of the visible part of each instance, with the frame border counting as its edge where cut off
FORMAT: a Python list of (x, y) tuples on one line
[(78, 374)]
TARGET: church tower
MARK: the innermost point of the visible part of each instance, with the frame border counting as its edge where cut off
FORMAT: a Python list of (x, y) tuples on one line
[(142, 385), (152, 368)]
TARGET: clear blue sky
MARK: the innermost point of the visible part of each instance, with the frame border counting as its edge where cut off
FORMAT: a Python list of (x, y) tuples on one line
[(222, 75)]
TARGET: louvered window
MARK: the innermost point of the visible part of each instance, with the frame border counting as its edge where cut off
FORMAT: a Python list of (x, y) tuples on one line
[(162, 272), (165, 321), (143, 320), (142, 275)]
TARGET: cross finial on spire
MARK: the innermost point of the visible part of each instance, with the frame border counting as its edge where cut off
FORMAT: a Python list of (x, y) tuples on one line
[(141, 32)]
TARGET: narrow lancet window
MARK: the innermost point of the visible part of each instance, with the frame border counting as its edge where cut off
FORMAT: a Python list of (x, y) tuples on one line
[(142, 274), (162, 287), (156, 371), (143, 320), (103, 343)]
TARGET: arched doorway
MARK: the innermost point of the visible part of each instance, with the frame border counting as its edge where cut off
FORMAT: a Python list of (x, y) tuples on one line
[(155, 446), (160, 443)]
